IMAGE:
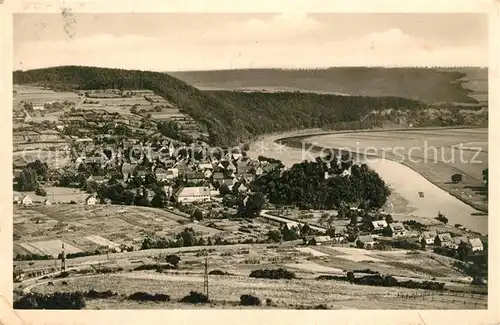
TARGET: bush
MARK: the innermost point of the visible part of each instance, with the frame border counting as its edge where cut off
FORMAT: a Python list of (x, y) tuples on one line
[(367, 271), (332, 277), (147, 267), (218, 272), (144, 296), (63, 274), (272, 274), (40, 192), (249, 300), (93, 294), (269, 302), (195, 298), (321, 306), (56, 300)]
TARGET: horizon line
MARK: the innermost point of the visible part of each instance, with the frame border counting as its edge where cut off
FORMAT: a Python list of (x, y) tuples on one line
[(272, 68)]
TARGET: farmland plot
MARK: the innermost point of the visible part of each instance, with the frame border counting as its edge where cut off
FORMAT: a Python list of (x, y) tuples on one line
[(49, 247), (101, 241)]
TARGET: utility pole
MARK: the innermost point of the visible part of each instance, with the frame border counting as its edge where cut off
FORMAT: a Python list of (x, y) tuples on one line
[(205, 282), (63, 259)]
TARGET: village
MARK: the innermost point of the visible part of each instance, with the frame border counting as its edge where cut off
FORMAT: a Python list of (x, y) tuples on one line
[(93, 178)]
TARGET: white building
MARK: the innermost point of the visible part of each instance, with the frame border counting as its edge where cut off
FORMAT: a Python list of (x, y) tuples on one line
[(26, 200), (192, 194), (476, 244), (90, 200)]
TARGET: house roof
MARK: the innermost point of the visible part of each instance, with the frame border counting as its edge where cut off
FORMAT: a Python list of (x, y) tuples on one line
[(90, 197), (26, 196), (379, 223), (205, 166), (321, 239), (461, 239), (445, 237), (193, 191), (195, 175), (475, 242), (428, 234), (397, 226)]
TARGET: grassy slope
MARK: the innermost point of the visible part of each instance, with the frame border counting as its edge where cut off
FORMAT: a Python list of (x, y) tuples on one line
[(429, 85), (229, 117)]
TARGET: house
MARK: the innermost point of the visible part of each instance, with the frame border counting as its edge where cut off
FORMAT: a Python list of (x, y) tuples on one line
[(162, 174), (428, 237), (26, 200), (208, 173), (192, 194), (338, 238), (257, 171), (379, 225), (127, 170), (476, 244), (97, 179), (90, 200), (320, 240), (194, 177), (227, 181), (242, 188), (366, 240), (204, 167), (444, 240), (47, 202), (237, 156), (461, 240), (397, 229)]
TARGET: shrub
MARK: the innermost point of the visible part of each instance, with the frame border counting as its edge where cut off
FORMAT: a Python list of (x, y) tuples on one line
[(332, 277), (56, 300), (269, 302), (144, 296), (195, 298), (156, 267), (367, 271), (249, 300), (321, 306), (93, 294), (272, 274), (218, 272), (63, 274)]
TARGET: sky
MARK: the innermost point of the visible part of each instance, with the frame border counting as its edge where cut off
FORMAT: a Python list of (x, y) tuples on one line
[(203, 41)]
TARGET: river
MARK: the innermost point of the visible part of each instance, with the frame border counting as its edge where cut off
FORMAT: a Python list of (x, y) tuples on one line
[(404, 182)]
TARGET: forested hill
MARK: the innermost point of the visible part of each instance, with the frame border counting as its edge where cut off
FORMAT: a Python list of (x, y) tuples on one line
[(228, 116)]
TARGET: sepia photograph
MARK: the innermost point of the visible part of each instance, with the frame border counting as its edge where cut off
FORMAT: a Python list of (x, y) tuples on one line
[(266, 161)]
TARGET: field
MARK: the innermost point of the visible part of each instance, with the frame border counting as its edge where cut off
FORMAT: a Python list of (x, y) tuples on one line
[(431, 85), (303, 292), (40, 96)]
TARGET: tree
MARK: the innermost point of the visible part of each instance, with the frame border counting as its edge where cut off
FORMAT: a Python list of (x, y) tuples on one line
[(224, 190), (456, 178), (442, 218), (274, 236), (187, 237), (305, 230), (251, 206), (40, 168), (40, 191), (174, 260), (350, 276), (389, 219), (197, 215), (159, 200), (27, 180)]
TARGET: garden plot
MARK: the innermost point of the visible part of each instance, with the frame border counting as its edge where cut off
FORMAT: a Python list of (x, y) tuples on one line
[(314, 268), (49, 247), (101, 241), (355, 254), (309, 250)]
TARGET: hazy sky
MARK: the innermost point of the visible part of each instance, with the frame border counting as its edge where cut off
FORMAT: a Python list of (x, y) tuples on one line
[(171, 42)]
